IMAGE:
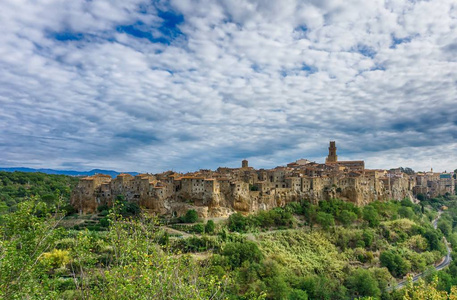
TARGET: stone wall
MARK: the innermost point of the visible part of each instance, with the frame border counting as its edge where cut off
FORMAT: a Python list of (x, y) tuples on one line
[(219, 193)]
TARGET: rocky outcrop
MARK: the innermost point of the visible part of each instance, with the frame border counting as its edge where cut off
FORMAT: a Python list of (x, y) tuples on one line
[(222, 192)]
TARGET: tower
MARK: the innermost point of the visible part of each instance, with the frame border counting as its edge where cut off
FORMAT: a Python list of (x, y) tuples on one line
[(244, 163), (332, 157)]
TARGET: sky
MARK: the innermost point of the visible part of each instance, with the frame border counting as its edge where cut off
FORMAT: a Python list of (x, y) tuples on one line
[(182, 85)]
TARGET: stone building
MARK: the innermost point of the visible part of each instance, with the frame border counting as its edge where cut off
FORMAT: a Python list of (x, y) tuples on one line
[(225, 190)]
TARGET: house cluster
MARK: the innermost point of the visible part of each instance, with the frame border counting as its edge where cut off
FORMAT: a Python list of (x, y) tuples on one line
[(245, 189)]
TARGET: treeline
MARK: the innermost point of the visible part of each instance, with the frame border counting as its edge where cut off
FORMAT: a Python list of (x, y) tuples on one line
[(327, 214), (17, 186)]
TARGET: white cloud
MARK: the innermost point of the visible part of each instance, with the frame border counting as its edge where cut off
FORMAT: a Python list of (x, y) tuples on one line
[(117, 84)]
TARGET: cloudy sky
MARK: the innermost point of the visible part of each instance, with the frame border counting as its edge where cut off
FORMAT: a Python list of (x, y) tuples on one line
[(155, 85)]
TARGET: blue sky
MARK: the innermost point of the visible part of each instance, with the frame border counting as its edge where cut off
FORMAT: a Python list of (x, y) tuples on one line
[(155, 85)]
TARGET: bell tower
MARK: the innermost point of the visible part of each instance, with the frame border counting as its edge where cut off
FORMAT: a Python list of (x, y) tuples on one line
[(244, 163), (332, 157)]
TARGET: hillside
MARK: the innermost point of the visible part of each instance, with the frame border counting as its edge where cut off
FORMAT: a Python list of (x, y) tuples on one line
[(332, 250), (15, 187)]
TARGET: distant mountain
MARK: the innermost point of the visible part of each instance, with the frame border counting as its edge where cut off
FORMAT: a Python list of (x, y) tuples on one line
[(68, 172)]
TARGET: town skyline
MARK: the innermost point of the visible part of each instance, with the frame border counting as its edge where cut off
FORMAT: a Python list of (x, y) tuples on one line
[(332, 153)]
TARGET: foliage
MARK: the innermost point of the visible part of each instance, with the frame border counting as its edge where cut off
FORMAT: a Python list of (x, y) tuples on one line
[(198, 228), (303, 253), (362, 283), (237, 222), (210, 227), (133, 257), (194, 244), (126, 208), (395, 263), (325, 220), (191, 216), (56, 258), (445, 225), (423, 290), (347, 217), (123, 263), (277, 217), (54, 190), (237, 253), (25, 237), (371, 215)]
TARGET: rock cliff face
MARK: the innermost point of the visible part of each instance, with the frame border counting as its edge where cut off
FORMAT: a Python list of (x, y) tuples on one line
[(174, 195), (224, 191)]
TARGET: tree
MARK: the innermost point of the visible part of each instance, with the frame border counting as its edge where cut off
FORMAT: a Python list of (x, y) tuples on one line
[(362, 283), (209, 227), (237, 222), (395, 263), (296, 294), (368, 237), (26, 236), (407, 170), (433, 239), (422, 290), (445, 226), (370, 215), (347, 217), (406, 212), (309, 211), (191, 216), (238, 253), (325, 220)]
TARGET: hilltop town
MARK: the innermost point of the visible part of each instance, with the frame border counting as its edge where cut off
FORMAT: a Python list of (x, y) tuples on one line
[(246, 190)]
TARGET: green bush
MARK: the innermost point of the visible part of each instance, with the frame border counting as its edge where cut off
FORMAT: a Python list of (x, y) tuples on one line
[(395, 263), (209, 227), (347, 217), (104, 222), (237, 222), (370, 214), (325, 220), (198, 228), (102, 207), (238, 253), (362, 283), (191, 216)]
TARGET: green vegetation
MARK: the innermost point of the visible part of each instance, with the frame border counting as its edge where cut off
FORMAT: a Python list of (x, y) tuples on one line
[(191, 216), (210, 226), (54, 190), (332, 250), (277, 217), (340, 251), (40, 261)]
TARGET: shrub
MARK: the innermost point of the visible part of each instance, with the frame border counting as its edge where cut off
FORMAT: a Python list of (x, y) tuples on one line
[(102, 207), (198, 228), (238, 253), (371, 216), (347, 217), (191, 216), (326, 220), (395, 263), (362, 283), (104, 222), (209, 227), (56, 258), (237, 222)]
